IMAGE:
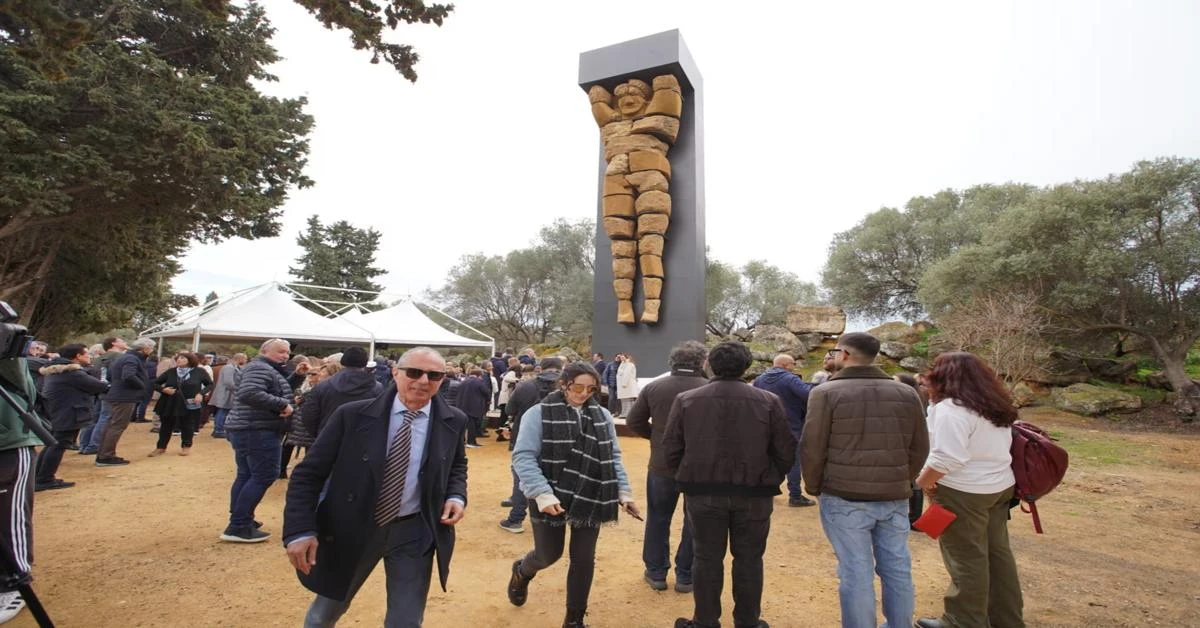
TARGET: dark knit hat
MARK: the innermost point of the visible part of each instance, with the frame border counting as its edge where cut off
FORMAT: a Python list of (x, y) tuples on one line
[(354, 357)]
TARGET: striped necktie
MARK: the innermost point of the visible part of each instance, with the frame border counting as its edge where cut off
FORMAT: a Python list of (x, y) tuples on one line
[(395, 471)]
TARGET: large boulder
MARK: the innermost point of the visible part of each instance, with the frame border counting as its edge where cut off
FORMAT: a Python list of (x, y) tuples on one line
[(938, 344), (1059, 368), (895, 350), (895, 330), (821, 319), (779, 339), (1023, 395), (1092, 400), (914, 364)]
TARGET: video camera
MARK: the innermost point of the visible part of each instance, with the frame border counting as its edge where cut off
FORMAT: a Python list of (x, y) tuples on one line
[(14, 338)]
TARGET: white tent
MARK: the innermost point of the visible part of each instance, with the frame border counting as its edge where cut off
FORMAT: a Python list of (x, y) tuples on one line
[(404, 324), (262, 312)]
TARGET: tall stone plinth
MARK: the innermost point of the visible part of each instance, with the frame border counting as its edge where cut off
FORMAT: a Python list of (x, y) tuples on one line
[(676, 272)]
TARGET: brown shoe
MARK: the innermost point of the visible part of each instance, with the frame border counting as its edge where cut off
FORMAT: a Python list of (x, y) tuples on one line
[(157, 452), (185, 451)]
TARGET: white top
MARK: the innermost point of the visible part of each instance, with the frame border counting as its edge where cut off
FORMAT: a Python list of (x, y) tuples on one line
[(972, 452)]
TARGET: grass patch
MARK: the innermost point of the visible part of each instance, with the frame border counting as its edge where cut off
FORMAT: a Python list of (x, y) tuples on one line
[(1099, 448), (1150, 396)]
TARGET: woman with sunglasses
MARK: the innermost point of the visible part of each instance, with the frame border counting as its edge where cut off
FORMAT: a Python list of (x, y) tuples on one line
[(969, 473), (568, 460)]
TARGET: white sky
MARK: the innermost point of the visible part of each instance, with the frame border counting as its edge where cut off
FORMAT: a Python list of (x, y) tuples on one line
[(816, 114)]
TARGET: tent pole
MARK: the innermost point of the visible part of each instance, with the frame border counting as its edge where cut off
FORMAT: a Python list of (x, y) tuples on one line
[(196, 339)]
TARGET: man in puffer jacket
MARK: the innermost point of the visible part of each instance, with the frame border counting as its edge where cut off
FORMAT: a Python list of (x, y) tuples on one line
[(254, 427), (69, 393)]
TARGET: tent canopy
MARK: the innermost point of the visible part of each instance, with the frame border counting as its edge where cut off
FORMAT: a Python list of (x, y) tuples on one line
[(268, 311)]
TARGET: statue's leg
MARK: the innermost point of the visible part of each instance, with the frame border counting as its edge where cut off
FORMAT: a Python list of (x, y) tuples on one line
[(619, 224), (654, 216)]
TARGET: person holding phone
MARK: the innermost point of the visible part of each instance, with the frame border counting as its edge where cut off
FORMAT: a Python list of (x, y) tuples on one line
[(568, 460), (182, 389)]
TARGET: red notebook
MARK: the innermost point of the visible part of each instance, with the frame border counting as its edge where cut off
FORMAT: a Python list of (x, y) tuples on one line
[(934, 520)]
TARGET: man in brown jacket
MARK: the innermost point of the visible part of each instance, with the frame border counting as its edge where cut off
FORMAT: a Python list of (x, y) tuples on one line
[(863, 443), (648, 419), (729, 447)]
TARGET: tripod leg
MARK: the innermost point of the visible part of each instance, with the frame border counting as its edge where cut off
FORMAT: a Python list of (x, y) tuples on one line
[(35, 606)]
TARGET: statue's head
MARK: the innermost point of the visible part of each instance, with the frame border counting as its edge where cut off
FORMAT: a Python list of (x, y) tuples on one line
[(631, 97)]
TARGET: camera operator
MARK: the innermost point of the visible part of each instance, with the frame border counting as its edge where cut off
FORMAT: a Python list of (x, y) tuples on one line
[(16, 485)]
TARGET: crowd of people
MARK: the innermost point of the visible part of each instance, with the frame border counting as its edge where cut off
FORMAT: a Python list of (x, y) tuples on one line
[(386, 442)]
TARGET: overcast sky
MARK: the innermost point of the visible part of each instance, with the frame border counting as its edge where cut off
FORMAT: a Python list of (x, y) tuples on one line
[(816, 114)]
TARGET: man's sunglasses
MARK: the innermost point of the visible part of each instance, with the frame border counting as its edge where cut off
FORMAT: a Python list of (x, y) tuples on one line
[(412, 373), (579, 389)]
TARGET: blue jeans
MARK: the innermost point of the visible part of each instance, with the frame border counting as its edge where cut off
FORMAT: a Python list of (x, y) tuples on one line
[(662, 495), (406, 548), (871, 536), (793, 476), (519, 504), (257, 455), (93, 441), (219, 420)]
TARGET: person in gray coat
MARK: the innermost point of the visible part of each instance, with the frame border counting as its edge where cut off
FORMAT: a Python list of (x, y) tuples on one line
[(223, 392), (262, 405)]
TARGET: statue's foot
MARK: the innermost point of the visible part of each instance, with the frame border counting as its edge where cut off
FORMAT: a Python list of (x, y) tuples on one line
[(625, 312), (650, 313)]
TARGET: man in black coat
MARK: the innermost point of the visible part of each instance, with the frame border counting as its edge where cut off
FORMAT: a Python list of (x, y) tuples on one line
[(386, 479), (127, 386), (70, 393), (472, 399), (353, 383)]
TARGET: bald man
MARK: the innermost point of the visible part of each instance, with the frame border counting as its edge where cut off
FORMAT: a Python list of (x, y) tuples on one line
[(793, 392)]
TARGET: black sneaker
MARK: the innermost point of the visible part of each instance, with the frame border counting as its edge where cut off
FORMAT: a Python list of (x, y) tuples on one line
[(656, 584), (87, 452), (512, 526), (518, 585), (506, 503), (52, 485), (800, 502), (248, 534), (473, 445), (113, 461)]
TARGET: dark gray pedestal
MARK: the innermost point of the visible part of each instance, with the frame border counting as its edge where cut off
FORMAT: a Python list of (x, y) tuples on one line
[(683, 311)]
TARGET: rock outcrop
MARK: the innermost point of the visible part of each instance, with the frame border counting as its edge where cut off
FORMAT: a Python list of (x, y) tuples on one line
[(1093, 400)]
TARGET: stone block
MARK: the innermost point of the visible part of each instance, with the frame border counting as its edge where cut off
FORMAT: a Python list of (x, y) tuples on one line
[(652, 287), (914, 364), (615, 206), (652, 223), (617, 165), (619, 228), (650, 311), (1023, 395), (666, 81), (652, 265), (625, 312), (895, 330), (624, 248), (649, 160), (623, 288), (616, 184), (653, 203), (603, 114), (895, 350), (597, 93), (779, 339), (623, 268), (666, 103), (820, 319), (633, 143), (665, 128), (646, 180), (650, 245), (615, 129)]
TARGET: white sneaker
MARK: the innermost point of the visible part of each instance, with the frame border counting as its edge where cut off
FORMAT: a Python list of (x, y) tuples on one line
[(10, 605)]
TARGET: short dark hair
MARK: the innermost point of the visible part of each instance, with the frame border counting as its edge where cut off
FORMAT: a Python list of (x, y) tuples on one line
[(861, 343), (71, 351), (551, 364), (108, 343), (729, 359), (688, 354), (191, 358), (597, 353), (575, 369)]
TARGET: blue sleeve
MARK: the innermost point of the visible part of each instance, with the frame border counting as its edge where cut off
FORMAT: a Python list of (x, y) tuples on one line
[(801, 389), (618, 460), (527, 453)]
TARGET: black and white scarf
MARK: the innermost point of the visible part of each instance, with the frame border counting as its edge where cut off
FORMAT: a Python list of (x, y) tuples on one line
[(577, 459)]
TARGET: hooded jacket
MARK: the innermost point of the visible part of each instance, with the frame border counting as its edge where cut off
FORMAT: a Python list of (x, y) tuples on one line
[(527, 394), (68, 392), (791, 390), (348, 384)]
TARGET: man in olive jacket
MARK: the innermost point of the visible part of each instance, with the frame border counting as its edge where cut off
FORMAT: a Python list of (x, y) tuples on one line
[(648, 419), (729, 448), (864, 442)]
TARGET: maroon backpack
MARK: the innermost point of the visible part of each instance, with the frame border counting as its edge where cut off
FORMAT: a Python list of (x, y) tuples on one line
[(1038, 463)]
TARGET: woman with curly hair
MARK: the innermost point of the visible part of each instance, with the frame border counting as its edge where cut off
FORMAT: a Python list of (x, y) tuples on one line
[(969, 473), (568, 460)]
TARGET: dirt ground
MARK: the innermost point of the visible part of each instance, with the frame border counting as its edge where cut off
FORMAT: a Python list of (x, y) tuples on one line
[(137, 546)]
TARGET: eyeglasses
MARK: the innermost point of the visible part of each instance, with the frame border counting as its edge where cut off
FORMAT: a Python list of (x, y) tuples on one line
[(582, 388), (433, 376), (833, 352)]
